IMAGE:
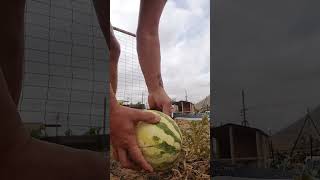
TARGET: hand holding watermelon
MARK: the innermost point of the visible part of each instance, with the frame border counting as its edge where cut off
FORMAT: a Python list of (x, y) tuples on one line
[(160, 143), (123, 123), (160, 101)]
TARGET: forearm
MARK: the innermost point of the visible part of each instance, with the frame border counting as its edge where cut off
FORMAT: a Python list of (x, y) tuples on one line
[(148, 43), (102, 11), (112, 99), (102, 8), (148, 47)]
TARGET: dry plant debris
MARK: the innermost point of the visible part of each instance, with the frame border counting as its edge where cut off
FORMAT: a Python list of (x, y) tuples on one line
[(192, 164)]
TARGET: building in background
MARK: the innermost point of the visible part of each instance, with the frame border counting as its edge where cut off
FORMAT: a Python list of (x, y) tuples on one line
[(65, 81), (183, 107), (240, 145)]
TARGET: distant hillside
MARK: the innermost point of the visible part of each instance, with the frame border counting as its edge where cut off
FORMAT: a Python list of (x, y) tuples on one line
[(284, 140), (203, 104)]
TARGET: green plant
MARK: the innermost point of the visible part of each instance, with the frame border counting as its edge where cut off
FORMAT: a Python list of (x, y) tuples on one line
[(93, 131), (68, 132), (38, 133)]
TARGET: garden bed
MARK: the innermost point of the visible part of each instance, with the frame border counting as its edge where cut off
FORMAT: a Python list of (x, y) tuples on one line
[(193, 163)]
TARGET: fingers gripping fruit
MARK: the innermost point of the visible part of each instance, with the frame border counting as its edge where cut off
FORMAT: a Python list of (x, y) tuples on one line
[(160, 143)]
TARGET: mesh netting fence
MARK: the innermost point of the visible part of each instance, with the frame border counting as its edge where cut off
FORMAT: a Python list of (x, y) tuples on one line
[(131, 85), (65, 79)]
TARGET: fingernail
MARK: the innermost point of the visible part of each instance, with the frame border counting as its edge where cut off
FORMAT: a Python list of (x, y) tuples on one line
[(157, 118)]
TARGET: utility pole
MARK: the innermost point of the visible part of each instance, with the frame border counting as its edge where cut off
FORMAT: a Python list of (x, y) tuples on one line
[(57, 119), (307, 117), (310, 137), (271, 145), (186, 94), (243, 112), (142, 98), (104, 115)]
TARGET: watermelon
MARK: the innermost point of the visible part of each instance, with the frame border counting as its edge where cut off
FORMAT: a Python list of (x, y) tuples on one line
[(160, 143)]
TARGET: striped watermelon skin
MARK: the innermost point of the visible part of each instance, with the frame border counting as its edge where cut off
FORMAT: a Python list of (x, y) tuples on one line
[(160, 143)]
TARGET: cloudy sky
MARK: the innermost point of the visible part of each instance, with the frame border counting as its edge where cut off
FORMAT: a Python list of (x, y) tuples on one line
[(272, 51), (185, 43)]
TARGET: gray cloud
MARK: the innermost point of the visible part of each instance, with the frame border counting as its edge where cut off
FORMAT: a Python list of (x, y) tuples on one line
[(185, 44), (270, 49)]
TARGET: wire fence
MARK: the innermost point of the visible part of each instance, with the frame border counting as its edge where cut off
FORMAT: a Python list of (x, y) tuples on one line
[(131, 85), (65, 79)]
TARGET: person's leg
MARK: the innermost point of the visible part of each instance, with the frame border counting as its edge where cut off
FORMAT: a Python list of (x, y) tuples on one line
[(43, 160)]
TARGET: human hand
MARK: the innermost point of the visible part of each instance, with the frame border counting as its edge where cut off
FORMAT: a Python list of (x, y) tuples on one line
[(123, 121), (159, 100)]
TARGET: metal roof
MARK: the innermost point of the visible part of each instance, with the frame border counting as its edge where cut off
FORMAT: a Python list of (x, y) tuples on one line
[(245, 128)]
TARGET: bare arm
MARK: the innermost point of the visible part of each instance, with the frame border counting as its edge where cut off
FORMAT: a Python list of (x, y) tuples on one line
[(102, 11), (122, 119), (148, 44), (148, 47)]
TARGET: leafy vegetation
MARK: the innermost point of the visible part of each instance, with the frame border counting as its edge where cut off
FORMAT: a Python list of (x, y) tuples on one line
[(68, 132), (93, 131), (38, 133)]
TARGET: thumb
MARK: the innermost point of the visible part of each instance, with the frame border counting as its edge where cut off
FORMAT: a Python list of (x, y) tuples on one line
[(147, 117), (167, 109)]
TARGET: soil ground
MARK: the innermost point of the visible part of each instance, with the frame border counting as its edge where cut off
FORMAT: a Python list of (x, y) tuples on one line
[(186, 168)]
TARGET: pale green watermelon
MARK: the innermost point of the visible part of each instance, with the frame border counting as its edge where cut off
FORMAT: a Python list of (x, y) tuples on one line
[(160, 143)]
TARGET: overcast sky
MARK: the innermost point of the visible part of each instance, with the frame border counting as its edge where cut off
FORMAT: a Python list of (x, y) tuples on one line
[(185, 43), (272, 50)]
